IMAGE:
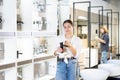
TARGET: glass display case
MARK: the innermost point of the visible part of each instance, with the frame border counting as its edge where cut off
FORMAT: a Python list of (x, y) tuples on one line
[(7, 74), (7, 50), (24, 15), (24, 72), (27, 34), (24, 48), (43, 45), (7, 15), (44, 16), (45, 70)]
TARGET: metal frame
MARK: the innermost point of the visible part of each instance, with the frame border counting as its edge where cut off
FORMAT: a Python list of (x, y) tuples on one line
[(89, 24), (99, 19), (118, 29)]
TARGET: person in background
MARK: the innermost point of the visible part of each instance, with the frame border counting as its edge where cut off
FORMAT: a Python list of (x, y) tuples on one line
[(104, 44), (68, 47)]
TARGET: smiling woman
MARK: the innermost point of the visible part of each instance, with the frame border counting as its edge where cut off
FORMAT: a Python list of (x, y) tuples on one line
[(67, 54)]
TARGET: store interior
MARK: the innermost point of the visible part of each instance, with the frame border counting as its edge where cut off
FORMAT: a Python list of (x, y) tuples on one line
[(28, 29)]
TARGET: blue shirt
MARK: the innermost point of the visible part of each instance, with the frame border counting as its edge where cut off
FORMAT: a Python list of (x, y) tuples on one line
[(105, 46)]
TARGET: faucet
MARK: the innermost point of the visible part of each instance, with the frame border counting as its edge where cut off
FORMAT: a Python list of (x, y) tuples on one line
[(18, 54)]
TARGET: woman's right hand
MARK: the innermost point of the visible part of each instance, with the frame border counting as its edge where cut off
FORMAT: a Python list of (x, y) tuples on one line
[(59, 50)]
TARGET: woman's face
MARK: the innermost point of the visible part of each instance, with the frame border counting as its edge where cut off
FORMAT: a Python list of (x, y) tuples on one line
[(68, 28), (101, 30)]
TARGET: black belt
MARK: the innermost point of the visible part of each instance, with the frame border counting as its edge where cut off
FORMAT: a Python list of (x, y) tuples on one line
[(62, 59)]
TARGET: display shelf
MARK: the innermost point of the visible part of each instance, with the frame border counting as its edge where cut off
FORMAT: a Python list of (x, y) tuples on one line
[(7, 34), (43, 34), (7, 74), (24, 48), (23, 34), (24, 62), (27, 34), (7, 66), (24, 72), (43, 70), (8, 14), (37, 59)]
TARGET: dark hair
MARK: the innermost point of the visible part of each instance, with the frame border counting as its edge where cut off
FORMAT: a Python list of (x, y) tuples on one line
[(68, 21)]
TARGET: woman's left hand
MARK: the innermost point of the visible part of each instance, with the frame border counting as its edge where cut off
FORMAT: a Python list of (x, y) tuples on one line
[(67, 43)]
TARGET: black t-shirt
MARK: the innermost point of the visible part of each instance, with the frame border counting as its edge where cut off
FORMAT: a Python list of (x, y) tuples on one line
[(105, 46)]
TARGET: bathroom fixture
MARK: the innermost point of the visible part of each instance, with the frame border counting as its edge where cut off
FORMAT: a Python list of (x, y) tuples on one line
[(40, 23), (114, 61), (113, 69), (40, 5), (19, 18), (18, 54), (94, 74)]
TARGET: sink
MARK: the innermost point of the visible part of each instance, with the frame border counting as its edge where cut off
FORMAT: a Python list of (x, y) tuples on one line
[(94, 74), (113, 69), (114, 61)]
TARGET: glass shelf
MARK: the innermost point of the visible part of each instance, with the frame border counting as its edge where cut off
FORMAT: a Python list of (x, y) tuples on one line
[(44, 70), (8, 74), (43, 45), (27, 34), (24, 72)]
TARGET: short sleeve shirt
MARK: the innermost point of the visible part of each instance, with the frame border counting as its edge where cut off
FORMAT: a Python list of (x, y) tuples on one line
[(105, 46), (75, 42)]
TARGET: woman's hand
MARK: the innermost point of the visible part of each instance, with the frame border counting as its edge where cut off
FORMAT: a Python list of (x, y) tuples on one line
[(96, 37), (68, 44), (59, 50)]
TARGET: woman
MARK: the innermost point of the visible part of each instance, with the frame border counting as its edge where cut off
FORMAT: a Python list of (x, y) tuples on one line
[(67, 52), (104, 40)]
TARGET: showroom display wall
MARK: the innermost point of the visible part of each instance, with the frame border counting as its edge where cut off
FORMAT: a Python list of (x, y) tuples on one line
[(27, 35)]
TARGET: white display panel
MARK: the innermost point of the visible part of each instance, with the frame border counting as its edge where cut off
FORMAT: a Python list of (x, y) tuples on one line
[(8, 74), (45, 70), (9, 16), (8, 48), (25, 72), (24, 48), (43, 46)]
